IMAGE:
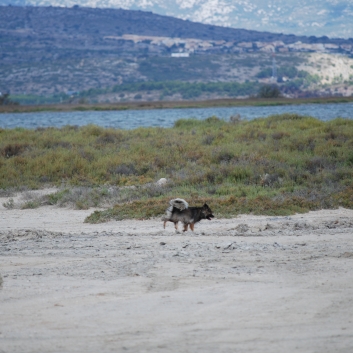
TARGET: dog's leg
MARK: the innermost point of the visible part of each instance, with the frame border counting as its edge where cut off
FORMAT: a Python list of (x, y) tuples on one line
[(164, 224), (185, 227), (192, 226), (176, 225)]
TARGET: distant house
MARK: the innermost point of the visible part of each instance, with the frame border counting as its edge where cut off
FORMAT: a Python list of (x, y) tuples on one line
[(72, 93), (180, 55)]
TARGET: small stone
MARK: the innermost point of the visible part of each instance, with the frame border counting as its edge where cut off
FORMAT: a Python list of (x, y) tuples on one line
[(162, 182)]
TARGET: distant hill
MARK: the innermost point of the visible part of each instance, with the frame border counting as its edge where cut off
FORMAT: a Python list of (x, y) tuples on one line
[(51, 50), (332, 18), (56, 23)]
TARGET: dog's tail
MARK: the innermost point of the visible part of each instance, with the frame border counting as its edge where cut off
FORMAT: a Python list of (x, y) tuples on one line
[(180, 204)]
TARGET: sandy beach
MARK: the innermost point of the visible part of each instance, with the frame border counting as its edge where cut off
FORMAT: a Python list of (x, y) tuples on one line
[(247, 284)]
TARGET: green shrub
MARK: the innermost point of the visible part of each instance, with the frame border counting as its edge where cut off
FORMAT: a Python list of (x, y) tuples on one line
[(269, 91), (6, 100)]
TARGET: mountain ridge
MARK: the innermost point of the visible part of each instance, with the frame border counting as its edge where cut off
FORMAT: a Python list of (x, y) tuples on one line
[(134, 22), (332, 18)]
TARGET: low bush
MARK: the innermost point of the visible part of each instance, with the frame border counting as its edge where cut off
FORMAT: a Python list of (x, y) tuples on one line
[(269, 91)]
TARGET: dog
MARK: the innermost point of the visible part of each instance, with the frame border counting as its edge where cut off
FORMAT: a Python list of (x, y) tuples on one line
[(179, 211)]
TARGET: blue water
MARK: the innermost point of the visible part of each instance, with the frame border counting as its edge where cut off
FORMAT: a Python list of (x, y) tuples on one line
[(130, 119)]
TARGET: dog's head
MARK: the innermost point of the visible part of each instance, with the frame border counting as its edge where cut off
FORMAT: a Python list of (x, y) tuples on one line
[(207, 212)]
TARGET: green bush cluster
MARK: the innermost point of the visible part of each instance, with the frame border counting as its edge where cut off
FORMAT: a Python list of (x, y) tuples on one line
[(280, 164), (31, 99), (289, 71), (298, 78), (269, 91), (187, 90), (6, 100), (191, 90)]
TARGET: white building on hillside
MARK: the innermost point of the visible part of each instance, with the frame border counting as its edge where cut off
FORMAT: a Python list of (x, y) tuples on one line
[(180, 55)]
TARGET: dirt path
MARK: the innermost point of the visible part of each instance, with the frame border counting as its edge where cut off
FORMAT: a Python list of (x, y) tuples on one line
[(249, 284)]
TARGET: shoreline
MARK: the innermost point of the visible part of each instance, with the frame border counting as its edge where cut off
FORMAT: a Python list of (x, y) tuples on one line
[(171, 104)]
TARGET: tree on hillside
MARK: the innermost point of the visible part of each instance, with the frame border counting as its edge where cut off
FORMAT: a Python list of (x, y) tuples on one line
[(269, 91), (5, 99)]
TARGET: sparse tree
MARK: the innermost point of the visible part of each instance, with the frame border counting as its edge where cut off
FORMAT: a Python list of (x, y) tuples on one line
[(269, 91), (5, 99)]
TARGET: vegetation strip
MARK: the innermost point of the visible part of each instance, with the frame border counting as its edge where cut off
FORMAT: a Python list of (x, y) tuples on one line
[(171, 104), (277, 165)]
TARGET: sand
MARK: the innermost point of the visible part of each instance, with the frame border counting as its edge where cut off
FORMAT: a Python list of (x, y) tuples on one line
[(247, 284)]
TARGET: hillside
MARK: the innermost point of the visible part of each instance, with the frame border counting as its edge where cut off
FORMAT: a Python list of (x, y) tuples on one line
[(59, 51), (332, 18)]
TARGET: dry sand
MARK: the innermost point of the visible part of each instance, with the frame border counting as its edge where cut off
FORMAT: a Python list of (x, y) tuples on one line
[(248, 284)]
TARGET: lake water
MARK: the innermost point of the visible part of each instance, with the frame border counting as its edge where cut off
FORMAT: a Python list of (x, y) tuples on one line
[(130, 119)]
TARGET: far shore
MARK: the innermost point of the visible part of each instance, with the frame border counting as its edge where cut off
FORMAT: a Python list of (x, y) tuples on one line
[(231, 102)]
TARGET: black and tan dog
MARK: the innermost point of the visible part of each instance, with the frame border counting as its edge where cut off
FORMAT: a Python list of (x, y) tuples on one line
[(179, 211)]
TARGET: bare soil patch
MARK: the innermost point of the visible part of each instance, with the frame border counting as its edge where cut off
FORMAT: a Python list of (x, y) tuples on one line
[(248, 284)]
